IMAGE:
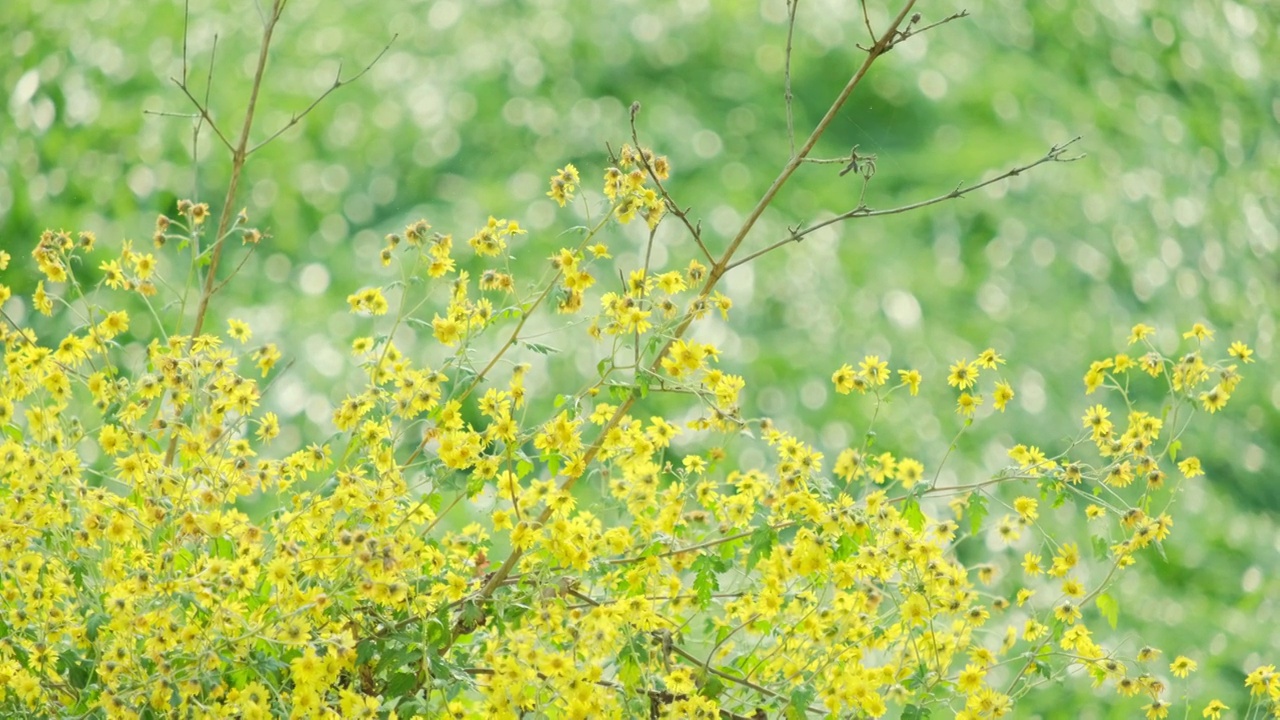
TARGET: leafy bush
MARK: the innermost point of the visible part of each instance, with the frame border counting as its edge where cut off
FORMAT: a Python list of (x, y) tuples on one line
[(471, 541)]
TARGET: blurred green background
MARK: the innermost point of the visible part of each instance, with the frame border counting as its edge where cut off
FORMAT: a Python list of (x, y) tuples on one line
[(1171, 218)]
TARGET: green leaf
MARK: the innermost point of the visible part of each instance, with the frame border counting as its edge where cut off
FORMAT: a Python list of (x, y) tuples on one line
[(365, 650), (707, 569), (1109, 607), (559, 401), (915, 712), (762, 541), (401, 683), (1100, 548), (540, 348), (846, 546), (435, 501), (1174, 447), (712, 688), (913, 515), (977, 511), (800, 699)]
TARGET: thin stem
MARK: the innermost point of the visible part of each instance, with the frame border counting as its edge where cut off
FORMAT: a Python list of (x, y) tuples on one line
[(1055, 154), (786, 77), (337, 83), (713, 278), (695, 229)]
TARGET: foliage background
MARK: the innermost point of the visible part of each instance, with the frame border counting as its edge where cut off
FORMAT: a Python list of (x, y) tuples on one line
[(1171, 219)]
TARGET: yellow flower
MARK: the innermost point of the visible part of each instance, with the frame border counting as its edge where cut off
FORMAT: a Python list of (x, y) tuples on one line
[(1002, 395), (1241, 351), (239, 330), (1157, 709), (1140, 332), (1182, 666), (970, 679), (1199, 332), (875, 370), (1031, 564), (1214, 709), (966, 404), (1190, 467), (910, 378), (845, 379), (989, 359), (563, 184), (963, 375)]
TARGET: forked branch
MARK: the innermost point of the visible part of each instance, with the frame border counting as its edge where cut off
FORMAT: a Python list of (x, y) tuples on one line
[(1055, 154)]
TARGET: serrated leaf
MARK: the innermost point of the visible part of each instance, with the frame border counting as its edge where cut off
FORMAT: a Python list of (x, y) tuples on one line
[(800, 699), (540, 348), (1109, 607), (762, 541), (706, 578)]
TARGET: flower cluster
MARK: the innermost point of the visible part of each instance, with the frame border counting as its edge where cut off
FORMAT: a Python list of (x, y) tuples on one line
[(578, 555)]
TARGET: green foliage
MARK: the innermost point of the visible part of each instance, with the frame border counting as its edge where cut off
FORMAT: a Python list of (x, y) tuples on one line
[(460, 502)]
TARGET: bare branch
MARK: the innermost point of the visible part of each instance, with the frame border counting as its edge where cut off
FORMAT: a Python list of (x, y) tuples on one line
[(718, 269), (911, 30), (786, 75), (950, 18), (204, 114), (695, 229), (866, 20), (1055, 154), (166, 113), (186, 24), (337, 83)]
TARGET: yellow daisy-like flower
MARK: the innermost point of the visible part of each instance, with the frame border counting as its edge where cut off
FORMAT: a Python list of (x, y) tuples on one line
[(1140, 332), (966, 404), (910, 378), (963, 374), (1214, 709), (1199, 332), (1183, 666)]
